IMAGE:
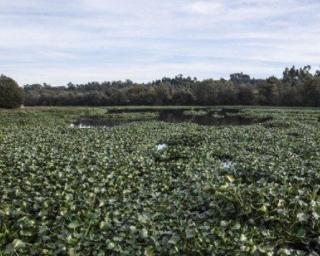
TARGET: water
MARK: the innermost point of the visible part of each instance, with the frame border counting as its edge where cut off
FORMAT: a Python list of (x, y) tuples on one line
[(81, 126), (208, 117)]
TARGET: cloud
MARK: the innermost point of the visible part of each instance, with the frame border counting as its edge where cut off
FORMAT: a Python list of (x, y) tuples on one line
[(205, 7), (81, 40)]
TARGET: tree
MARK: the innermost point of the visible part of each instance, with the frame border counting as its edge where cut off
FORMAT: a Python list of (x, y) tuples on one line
[(269, 93), (182, 97), (298, 87), (163, 94), (245, 95), (312, 92), (239, 78), (11, 95), (294, 76)]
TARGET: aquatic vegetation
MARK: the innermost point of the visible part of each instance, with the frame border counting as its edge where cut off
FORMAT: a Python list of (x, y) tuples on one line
[(227, 190)]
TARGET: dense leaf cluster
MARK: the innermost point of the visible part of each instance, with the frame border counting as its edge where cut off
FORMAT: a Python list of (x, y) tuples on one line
[(110, 191), (297, 87), (11, 95)]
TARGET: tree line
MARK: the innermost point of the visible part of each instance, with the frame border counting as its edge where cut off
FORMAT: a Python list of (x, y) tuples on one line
[(297, 87)]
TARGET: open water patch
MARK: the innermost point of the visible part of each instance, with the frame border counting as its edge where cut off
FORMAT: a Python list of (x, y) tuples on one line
[(217, 118), (202, 116)]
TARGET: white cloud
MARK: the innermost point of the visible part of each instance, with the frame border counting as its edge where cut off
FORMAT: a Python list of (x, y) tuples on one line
[(205, 7), (81, 40)]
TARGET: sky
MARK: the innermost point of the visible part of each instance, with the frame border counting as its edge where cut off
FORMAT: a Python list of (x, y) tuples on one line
[(61, 41)]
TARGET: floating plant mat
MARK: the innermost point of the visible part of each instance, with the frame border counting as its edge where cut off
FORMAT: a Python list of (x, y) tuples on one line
[(91, 122), (158, 188)]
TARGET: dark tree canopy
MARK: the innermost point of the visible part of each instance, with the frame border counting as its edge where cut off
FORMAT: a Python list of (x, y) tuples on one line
[(239, 78), (297, 87), (11, 95)]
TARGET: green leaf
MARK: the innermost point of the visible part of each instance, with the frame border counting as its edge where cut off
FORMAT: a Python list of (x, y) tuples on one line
[(149, 251)]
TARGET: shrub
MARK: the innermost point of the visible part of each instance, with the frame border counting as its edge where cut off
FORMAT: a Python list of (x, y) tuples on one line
[(11, 95)]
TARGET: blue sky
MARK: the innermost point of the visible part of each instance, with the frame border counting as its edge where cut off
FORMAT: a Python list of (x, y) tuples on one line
[(59, 41)]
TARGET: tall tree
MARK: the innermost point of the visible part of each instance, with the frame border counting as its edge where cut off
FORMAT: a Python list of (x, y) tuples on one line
[(11, 95)]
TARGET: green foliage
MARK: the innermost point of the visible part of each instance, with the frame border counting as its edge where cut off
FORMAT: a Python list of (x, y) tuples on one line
[(109, 191), (11, 95), (298, 87)]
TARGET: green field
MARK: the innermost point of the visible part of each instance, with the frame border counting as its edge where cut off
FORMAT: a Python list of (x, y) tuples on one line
[(159, 188)]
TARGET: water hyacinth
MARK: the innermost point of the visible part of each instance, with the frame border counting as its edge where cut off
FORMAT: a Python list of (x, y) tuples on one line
[(155, 188)]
